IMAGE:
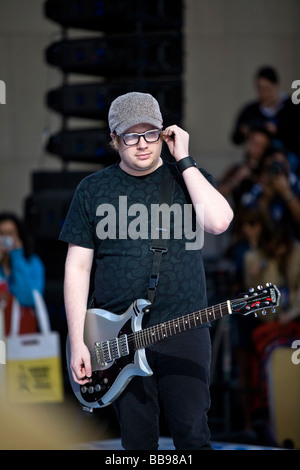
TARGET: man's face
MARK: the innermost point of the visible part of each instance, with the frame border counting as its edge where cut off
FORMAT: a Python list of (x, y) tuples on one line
[(267, 91), (9, 230), (143, 157), (256, 146)]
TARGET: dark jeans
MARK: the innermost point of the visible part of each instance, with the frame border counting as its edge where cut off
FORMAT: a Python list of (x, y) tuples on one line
[(180, 383)]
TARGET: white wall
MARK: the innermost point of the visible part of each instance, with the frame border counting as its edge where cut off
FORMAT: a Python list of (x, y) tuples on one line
[(225, 41)]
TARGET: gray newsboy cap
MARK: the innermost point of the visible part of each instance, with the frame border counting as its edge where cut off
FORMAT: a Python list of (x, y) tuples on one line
[(131, 109)]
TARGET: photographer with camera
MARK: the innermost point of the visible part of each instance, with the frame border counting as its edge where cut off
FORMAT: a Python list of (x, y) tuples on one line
[(21, 271), (240, 177), (276, 194), (280, 197)]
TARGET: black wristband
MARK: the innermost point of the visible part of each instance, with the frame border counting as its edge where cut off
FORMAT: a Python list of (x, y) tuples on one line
[(185, 163)]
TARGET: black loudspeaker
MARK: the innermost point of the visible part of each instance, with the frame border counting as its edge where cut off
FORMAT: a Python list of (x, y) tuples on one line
[(83, 145), (51, 194), (116, 16), (53, 180), (45, 212), (132, 55), (92, 100)]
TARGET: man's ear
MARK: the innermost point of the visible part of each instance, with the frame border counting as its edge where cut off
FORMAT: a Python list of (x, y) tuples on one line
[(114, 143)]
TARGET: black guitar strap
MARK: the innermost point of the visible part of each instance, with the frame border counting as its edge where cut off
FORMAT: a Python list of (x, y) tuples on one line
[(159, 245)]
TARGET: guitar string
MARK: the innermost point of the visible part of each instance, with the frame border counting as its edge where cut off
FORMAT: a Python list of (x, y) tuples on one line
[(179, 322)]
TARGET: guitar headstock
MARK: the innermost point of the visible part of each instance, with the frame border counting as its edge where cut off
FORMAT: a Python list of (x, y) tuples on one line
[(254, 300)]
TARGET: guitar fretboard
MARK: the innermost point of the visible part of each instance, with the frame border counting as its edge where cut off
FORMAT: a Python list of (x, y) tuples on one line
[(153, 334)]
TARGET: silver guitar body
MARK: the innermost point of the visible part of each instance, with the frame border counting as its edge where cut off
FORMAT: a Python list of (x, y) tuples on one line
[(111, 375)]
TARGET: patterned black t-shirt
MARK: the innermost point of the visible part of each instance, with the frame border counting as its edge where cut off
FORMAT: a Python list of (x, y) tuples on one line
[(112, 213)]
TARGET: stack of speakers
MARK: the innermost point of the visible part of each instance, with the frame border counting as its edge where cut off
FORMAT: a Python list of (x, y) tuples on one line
[(106, 48), (136, 45)]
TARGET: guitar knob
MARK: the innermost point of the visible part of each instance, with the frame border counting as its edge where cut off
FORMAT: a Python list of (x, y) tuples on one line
[(91, 389), (84, 389), (97, 388)]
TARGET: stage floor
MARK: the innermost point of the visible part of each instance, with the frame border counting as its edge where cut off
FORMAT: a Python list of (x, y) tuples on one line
[(165, 443)]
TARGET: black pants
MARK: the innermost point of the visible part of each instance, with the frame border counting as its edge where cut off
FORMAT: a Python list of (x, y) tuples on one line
[(180, 383)]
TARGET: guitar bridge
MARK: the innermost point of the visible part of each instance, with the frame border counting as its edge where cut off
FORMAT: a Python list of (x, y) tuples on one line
[(108, 351)]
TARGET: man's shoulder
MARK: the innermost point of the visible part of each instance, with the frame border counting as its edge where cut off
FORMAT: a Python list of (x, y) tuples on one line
[(98, 176), (251, 107)]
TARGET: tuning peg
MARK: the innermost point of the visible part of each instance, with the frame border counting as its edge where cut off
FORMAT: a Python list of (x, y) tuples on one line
[(273, 310), (255, 314), (260, 287), (268, 284), (251, 289), (264, 312)]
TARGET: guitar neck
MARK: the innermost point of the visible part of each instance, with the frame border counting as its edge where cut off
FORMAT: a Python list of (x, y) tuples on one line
[(153, 334)]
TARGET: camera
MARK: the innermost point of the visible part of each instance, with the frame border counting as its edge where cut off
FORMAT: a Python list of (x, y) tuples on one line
[(7, 242), (277, 168)]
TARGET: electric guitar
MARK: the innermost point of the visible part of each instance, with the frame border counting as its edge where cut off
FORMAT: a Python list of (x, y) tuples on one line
[(117, 342)]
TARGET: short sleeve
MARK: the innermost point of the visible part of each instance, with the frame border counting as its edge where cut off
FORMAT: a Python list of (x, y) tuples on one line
[(78, 225)]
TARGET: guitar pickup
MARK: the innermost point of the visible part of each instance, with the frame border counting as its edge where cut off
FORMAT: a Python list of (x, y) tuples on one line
[(108, 351)]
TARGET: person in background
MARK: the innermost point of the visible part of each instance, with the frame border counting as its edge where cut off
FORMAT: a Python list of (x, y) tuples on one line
[(246, 231), (240, 177), (275, 259), (21, 270), (273, 110), (276, 193)]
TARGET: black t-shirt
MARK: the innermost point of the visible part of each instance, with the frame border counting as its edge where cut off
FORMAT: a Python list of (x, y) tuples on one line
[(286, 120), (111, 212)]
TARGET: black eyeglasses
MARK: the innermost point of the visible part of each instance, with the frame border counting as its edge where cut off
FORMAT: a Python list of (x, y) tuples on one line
[(134, 138)]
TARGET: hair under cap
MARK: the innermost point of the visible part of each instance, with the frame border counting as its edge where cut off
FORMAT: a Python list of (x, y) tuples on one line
[(131, 109)]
